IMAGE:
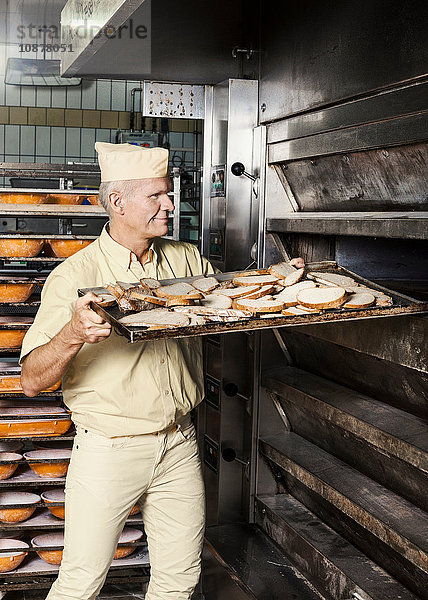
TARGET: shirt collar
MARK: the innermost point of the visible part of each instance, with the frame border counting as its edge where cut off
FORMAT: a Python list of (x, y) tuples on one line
[(123, 255)]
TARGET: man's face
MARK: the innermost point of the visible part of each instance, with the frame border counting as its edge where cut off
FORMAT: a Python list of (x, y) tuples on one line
[(146, 209)]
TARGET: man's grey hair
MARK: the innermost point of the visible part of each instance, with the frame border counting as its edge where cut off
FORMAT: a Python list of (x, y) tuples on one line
[(124, 188)]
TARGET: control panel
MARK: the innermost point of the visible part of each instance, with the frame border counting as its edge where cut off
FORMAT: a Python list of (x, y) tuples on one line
[(211, 453)]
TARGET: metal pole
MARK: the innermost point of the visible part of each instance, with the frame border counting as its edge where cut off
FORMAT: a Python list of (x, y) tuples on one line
[(177, 197)]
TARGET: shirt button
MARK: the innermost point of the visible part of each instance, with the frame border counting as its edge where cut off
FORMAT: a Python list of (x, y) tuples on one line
[(162, 361), (166, 392)]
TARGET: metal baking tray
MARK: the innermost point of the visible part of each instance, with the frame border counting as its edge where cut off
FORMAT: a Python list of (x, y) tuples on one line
[(402, 305)]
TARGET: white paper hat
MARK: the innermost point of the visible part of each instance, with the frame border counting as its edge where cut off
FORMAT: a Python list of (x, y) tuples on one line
[(121, 162)]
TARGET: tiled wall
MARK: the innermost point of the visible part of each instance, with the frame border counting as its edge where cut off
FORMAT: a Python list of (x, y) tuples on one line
[(57, 125)]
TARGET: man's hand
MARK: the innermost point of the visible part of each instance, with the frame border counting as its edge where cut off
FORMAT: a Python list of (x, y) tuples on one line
[(299, 263), (86, 326), (46, 364)]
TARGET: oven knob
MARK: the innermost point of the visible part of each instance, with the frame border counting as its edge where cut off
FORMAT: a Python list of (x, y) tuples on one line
[(237, 169), (230, 389), (229, 455)]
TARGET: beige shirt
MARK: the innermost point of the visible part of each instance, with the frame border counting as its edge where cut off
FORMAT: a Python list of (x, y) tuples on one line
[(114, 387)]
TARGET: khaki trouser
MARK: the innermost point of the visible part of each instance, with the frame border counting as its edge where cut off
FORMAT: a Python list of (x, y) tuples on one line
[(106, 477)]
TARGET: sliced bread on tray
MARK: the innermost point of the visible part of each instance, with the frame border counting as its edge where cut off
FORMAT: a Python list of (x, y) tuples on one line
[(259, 306), (293, 278), (363, 300), (263, 291), (216, 301), (254, 272), (360, 289), (332, 279), (384, 300), (329, 297), (178, 289), (247, 280), (158, 316), (179, 301), (238, 292), (281, 270), (289, 294), (205, 284), (148, 298), (217, 314), (150, 283)]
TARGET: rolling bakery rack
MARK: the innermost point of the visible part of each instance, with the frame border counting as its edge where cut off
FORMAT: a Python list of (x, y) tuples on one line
[(29, 250)]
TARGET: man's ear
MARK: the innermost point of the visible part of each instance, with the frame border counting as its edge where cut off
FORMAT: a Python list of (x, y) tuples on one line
[(116, 204)]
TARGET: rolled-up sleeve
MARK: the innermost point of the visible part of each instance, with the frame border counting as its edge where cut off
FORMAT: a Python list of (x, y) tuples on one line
[(58, 297)]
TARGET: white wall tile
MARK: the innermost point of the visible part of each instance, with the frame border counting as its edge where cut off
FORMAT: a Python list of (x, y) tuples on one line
[(72, 142), (175, 139), (43, 141), (74, 96), (2, 87), (87, 149), (103, 94), (118, 95), (58, 160), (12, 95), (188, 140), (43, 96), (58, 97), (26, 158), (28, 143), (103, 135), (58, 141), (1, 139), (28, 95), (89, 90), (11, 139)]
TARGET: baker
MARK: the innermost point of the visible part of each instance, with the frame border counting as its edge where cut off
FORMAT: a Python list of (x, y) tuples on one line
[(130, 403)]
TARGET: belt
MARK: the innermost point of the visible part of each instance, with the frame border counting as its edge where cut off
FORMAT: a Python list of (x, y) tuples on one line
[(170, 429)]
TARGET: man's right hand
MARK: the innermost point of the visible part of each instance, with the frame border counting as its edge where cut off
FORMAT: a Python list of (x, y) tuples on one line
[(86, 326)]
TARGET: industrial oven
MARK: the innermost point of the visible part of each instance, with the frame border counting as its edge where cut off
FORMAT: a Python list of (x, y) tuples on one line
[(313, 437), (307, 432)]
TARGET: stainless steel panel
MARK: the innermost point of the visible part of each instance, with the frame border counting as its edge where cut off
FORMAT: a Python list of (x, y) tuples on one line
[(395, 132), (278, 203), (316, 53), (393, 178), (213, 359), (173, 100), (82, 20), (206, 168), (187, 41), (231, 115), (375, 339), (383, 259), (243, 95), (257, 230), (215, 149), (384, 380), (383, 105), (402, 225)]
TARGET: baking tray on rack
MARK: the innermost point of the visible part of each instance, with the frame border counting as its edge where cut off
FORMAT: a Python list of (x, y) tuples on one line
[(36, 566), (402, 305)]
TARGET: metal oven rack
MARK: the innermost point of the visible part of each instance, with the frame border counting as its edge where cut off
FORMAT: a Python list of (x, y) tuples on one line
[(34, 573)]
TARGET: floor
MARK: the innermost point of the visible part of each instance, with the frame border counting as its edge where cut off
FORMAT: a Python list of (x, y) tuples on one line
[(217, 585)]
